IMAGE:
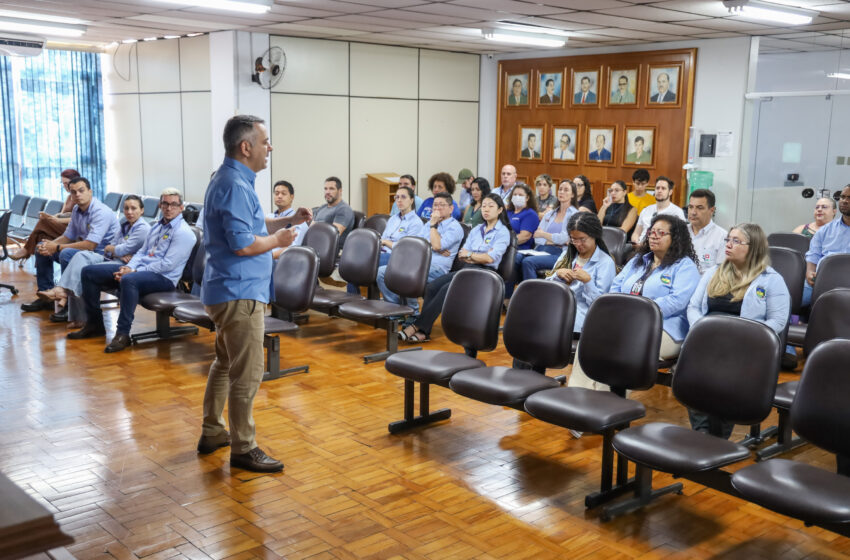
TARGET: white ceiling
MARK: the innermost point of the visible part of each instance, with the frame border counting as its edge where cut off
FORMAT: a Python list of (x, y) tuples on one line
[(454, 24)]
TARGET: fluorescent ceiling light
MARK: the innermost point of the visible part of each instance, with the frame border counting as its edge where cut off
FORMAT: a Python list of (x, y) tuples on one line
[(40, 17), (129, 41), (765, 11), (516, 38), (41, 27), (248, 6), (529, 28), (839, 75)]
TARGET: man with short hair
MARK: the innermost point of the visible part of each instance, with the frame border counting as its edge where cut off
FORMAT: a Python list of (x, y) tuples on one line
[(549, 98), (407, 180), (601, 153), (663, 205), (335, 210), (464, 181), (156, 267), (284, 195), (508, 175), (709, 239), (640, 155), (92, 227), (236, 288), (563, 151), (664, 94), (639, 198), (517, 97), (622, 95), (530, 151), (584, 96), (830, 239)]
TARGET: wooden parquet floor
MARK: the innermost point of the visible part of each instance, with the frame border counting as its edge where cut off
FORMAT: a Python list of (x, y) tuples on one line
[(107, 442)]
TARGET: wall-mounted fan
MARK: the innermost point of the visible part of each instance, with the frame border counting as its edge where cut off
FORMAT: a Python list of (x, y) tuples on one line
[(269, 68)]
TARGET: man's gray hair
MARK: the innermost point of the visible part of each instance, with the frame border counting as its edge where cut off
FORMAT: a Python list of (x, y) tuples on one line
[(237, 130), (171, 191)]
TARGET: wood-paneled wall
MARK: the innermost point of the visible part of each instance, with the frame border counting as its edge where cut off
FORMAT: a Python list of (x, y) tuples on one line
[(669, 121)]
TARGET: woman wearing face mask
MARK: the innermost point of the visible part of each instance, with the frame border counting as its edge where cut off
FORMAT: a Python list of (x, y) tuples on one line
[(522, 214), (477, 191), (825, 209), (546, 199), (127, 241), (584, 194), (484, 247), (439, 182), (551, 236), (616, 210)]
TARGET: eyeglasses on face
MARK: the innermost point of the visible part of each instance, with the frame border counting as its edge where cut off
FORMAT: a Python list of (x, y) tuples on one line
[(734, 241), (164, 204), (659, 233)]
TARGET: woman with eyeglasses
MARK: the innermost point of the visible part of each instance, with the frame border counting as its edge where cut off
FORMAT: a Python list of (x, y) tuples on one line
[(825, 209), (479, 188), (664, 269), (744, 285), (616, 210), (584, 194), (128, 239), (584, 265)]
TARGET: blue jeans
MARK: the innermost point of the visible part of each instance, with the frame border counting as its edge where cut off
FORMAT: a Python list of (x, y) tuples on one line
[(530, 265), (433, 274), (383, 259), (98, 277), (44, 272), (807, 294)]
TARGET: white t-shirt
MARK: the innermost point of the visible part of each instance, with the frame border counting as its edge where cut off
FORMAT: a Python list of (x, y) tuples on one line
[(709, 245), (645, 218)]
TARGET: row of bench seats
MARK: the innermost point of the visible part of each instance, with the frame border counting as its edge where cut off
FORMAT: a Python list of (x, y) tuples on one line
[(728, 368)]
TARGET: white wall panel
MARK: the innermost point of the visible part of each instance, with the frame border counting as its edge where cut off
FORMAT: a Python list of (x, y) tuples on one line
[(447, 75), (197, 158), (310, 139), (313, 66), (120, 70), (448, 138), (158, 66), (383, 139), (195, 63), (380, 71), (162, 154), (123, 143)]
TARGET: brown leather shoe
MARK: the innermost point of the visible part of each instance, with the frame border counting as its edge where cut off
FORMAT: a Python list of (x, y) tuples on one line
[(256, 461), (208, 444)]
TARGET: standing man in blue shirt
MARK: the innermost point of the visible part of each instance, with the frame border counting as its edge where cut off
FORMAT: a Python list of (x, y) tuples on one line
[(236, 289), (91, 228), (156, 267), (832, 238)]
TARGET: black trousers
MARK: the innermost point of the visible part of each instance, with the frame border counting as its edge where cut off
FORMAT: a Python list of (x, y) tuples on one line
[(435, 296)]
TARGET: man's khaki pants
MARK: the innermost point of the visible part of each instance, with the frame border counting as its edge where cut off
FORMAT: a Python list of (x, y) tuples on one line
[(236, 372)]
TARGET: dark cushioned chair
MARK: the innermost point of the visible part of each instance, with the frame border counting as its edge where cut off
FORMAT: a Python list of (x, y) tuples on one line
[(791, 265), (359, 221), (358, 265), (163, 303), (727, 369), (53, 207), (830, 318), (406, 276), (378, 222), (507, 266), (113, 201), (615, 240), (21, 232), (833, 272), (470, 319), (819, 414), (324, 240), (538, 330), (4, 227), (631, 367), (151, 210), (17, 209), (795, 241)]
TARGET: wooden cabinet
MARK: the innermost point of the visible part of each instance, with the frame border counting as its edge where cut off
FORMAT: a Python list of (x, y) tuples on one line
[(380, 189)]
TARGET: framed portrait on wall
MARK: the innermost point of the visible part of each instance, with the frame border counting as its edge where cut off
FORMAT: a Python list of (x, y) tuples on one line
[(664, 85), (517, 90), (599, 146), (564, 144), (550, 89), (639, 146), (530, 141), (522, 179), (622, 87), (585, 84)]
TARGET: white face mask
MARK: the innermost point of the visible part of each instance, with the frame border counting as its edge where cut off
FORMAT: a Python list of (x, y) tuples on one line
[(518, 201)]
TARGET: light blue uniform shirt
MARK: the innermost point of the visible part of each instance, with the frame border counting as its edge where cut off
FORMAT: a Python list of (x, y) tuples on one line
[(602, 270), (232, 218), (166, 249), (832, 238), (494, 242), (671, 287), (451, 234), (767, 300), (399, 226), (97, 224), (561, 237), (300, 229), (417, 200), (129, 239)]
